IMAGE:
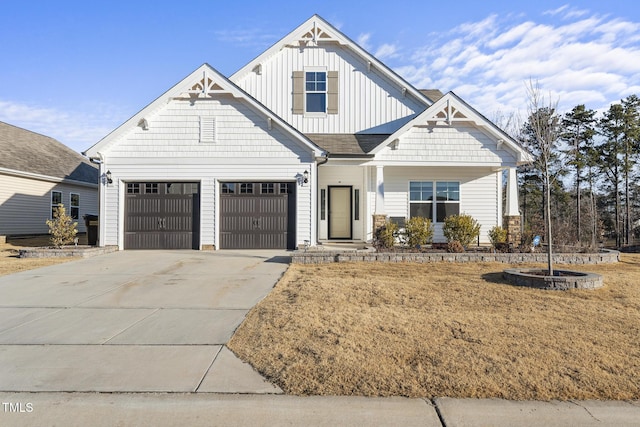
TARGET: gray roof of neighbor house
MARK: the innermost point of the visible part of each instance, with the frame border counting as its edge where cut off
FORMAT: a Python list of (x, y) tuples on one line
[(346, 143), (432, 94), (26, 151)]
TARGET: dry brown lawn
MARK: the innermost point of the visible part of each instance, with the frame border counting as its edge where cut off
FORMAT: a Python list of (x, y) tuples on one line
[(10, 263), (457, 330)]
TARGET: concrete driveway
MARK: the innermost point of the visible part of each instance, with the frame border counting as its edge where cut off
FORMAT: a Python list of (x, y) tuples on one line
[(134, 321)]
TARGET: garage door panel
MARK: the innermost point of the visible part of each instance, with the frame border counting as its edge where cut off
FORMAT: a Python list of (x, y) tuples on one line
[(163, 219), (257, 220)]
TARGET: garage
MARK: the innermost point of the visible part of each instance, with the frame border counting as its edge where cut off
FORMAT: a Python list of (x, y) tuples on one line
[(257, 215), (162, 215)]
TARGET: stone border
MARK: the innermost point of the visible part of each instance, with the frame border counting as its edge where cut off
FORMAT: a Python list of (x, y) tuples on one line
[(369, 255), (572, 280), (69, 251)]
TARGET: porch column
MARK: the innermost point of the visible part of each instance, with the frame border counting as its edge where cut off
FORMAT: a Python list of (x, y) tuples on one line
[(379, 216), (512, 217)]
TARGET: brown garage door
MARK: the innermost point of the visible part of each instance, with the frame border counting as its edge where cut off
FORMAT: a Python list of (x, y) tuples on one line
[(257, 215), (162, 215)]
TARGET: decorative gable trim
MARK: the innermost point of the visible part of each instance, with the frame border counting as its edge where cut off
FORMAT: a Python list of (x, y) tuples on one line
[(199, 86), (452, 109), (315, 31)]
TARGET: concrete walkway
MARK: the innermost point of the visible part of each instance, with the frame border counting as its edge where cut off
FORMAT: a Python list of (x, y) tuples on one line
[(138, 338)]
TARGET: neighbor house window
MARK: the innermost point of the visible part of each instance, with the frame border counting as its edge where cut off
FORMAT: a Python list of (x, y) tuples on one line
[(56, 200), (75, 205), (315, 85), (423, 203)]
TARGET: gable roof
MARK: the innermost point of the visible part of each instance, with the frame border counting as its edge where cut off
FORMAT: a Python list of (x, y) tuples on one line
[(346, 144), (450, 109), (204, 82), (315, 31), (432, 94), (29, 152)]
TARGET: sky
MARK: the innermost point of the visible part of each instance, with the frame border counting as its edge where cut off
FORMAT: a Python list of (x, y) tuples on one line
[(76, 70)]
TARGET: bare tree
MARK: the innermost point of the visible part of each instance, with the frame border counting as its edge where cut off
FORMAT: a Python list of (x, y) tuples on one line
[(544, 129)]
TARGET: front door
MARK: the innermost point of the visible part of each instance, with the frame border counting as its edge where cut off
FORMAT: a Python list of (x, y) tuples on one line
[(340, 212)]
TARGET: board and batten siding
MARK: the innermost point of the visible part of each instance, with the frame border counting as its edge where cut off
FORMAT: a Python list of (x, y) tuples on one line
[(245, 149), (480, 192), (461, 143), (367, 101), (25, 204)]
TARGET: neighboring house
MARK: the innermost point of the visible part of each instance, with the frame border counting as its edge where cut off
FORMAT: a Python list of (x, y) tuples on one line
[(314, 140), (36, 174)]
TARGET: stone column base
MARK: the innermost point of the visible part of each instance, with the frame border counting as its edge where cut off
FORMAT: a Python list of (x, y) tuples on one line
[(514, 230), (378, 221)]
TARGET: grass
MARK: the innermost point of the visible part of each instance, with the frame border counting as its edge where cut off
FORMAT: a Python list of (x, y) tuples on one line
[(10, 263), (457, 330)]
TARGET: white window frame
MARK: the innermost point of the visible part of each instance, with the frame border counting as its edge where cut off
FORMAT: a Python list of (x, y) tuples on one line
[(434, 202), (72, 206), (325, 92), (54, 205)]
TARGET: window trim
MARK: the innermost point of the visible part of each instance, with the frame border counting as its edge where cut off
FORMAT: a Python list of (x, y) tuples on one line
[(53, 206), (434, 197), (72, 206), (325, 92)]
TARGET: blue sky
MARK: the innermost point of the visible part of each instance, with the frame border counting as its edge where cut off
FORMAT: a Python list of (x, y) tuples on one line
[(75, 70)]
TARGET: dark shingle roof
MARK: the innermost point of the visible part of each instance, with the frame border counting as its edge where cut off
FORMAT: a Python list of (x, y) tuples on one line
[(347, 144), (432, 94), (27, 151)]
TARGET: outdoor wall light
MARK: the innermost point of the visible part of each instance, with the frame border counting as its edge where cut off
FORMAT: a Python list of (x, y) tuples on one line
[(305, 177), (109, 178)]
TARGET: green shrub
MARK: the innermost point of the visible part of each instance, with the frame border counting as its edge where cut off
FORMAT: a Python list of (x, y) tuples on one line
[(385, 236), (462, 228), (62, 227), (497, 235), (418, 231)]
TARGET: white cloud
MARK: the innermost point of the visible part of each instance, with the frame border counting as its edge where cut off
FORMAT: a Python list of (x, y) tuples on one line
[(577, 56), (363, 41), (76, 129), (386, 51)]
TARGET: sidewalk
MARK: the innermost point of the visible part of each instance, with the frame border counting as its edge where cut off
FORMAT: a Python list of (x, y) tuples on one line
[(205, 409)]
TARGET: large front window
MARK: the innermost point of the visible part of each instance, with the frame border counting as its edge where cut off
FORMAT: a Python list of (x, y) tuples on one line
[(423, 203), (316, 91)]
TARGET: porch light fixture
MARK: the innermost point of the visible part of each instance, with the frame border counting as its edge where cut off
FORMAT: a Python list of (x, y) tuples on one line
[(305, 177), (109, 178)]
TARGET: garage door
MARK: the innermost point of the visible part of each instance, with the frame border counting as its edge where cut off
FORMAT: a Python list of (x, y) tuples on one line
[(162, 215), (257, 215)]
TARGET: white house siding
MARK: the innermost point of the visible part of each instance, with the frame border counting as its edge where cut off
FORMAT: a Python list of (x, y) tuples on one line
[(461, 144), (479, 193), (25, 204), (245, 150), (339, 173), (367, 101)]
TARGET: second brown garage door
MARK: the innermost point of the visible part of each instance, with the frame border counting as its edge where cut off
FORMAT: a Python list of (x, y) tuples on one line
[(257, 215)]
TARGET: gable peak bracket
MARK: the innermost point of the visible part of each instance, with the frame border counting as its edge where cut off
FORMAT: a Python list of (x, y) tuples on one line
[(143, 124)]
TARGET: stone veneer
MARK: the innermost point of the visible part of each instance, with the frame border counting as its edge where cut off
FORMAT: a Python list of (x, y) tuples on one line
[(369, 255), (565, 280), (70, 251)]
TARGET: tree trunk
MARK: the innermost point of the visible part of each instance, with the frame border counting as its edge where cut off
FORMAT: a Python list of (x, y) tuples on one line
[(548, 223)]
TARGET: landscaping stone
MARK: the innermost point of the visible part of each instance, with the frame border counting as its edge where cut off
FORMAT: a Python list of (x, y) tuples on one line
[(70, 251)]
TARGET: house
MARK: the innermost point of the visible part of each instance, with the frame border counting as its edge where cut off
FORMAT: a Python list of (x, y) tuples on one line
[(315, 140), (36, 174)]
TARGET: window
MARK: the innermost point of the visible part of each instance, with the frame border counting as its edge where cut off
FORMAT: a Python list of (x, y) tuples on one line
[(284, 188), (267, 188), (356, 204), (151, 188), (246, 188), (315, 85), (56, 200), (323, 202), (75, 205), (228, 188), (133, 188), (421, 199)]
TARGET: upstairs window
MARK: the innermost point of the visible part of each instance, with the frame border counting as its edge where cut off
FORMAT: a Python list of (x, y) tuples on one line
[(316, 91)]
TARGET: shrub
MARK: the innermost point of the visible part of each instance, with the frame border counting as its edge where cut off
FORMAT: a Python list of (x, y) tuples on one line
[(62, 227), (497, 235), (419, 231), (385, 236), (455, 246), (462, 228)]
